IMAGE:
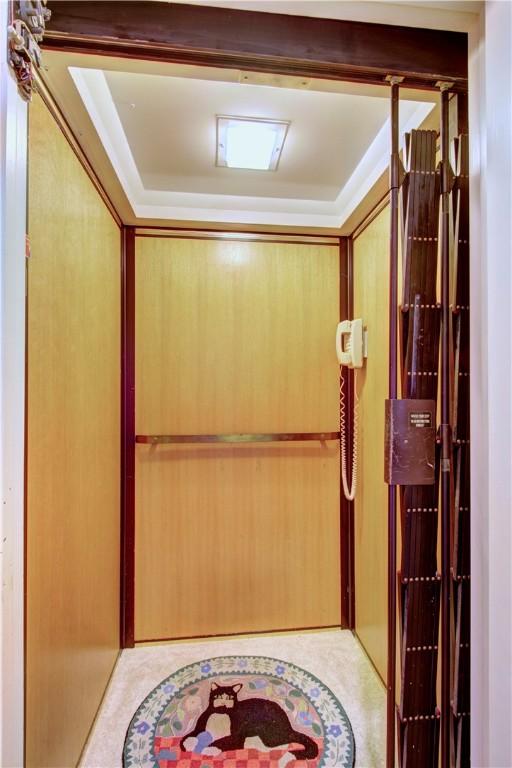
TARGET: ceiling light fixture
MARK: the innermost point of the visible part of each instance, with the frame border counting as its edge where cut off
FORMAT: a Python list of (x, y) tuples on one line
[(250, 143)]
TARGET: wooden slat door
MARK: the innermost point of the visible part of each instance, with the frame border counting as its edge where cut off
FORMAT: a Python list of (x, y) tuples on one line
[(236, 337)]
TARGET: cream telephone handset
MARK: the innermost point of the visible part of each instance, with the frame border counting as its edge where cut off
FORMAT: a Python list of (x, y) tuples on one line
[(351, 351), (350, 343)]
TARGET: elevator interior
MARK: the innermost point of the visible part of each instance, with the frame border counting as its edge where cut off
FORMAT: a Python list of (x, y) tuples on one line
[(233, 283)]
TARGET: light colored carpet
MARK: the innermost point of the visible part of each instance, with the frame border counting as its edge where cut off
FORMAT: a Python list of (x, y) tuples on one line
[(334, 656)]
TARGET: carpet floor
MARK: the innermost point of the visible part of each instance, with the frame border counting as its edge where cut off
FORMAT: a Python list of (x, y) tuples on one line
[(333, 658)]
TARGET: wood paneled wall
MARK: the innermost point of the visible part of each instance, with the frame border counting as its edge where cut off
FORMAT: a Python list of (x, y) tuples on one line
[(236, 337), (73, 451), (371, 301)]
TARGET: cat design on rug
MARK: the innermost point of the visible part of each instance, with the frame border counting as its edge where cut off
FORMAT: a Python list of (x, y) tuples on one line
[(227, 722)]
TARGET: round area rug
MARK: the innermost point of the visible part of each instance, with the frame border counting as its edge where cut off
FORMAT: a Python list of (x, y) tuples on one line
[(240, 712)]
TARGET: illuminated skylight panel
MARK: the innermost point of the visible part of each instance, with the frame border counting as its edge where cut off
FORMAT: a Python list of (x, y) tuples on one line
[(249, 143)]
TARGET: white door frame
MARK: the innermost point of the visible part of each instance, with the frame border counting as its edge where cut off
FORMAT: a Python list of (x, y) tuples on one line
[(490, 120), (13, 164)]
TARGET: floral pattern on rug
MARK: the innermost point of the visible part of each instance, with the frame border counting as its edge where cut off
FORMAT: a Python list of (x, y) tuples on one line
[(159, 735)]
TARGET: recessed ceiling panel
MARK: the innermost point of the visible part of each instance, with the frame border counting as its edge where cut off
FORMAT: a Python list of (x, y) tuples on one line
[(170, 124), (160, 133)]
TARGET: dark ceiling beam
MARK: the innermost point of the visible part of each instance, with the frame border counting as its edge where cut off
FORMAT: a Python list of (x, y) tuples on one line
[(268, 42)]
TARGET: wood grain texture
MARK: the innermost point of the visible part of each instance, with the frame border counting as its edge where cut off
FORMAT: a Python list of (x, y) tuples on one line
[(236, 337), (258, 41), (371, 278), (73, 449)]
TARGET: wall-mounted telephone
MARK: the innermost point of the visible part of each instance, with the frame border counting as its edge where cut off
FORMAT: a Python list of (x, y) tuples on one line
[(351, 343), (351, 350)]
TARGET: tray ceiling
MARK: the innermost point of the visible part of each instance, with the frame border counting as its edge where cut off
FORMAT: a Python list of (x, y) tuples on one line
[(159, 132), (149, 131)]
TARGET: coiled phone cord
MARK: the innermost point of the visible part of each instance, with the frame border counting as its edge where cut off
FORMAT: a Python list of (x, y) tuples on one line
[(349, 492)]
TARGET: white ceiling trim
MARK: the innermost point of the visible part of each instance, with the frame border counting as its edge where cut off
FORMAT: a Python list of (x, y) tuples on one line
[(95, 93), (187, 206)]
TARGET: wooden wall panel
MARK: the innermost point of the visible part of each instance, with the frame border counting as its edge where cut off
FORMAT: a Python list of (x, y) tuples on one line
[(73, 449), (236, 337), (371, 297)]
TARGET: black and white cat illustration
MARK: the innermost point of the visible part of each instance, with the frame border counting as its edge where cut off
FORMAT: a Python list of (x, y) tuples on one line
[(229, 721)]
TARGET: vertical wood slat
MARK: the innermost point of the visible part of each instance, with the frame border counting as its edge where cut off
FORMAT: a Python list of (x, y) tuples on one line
[(420, 739), (420, 585), (127, 596), (460, 555), (347, 564), (392, 394), (445, 434), (419, 648)]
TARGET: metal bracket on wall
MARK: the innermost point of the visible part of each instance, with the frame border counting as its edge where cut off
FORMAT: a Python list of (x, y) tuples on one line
[(25, 31)]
